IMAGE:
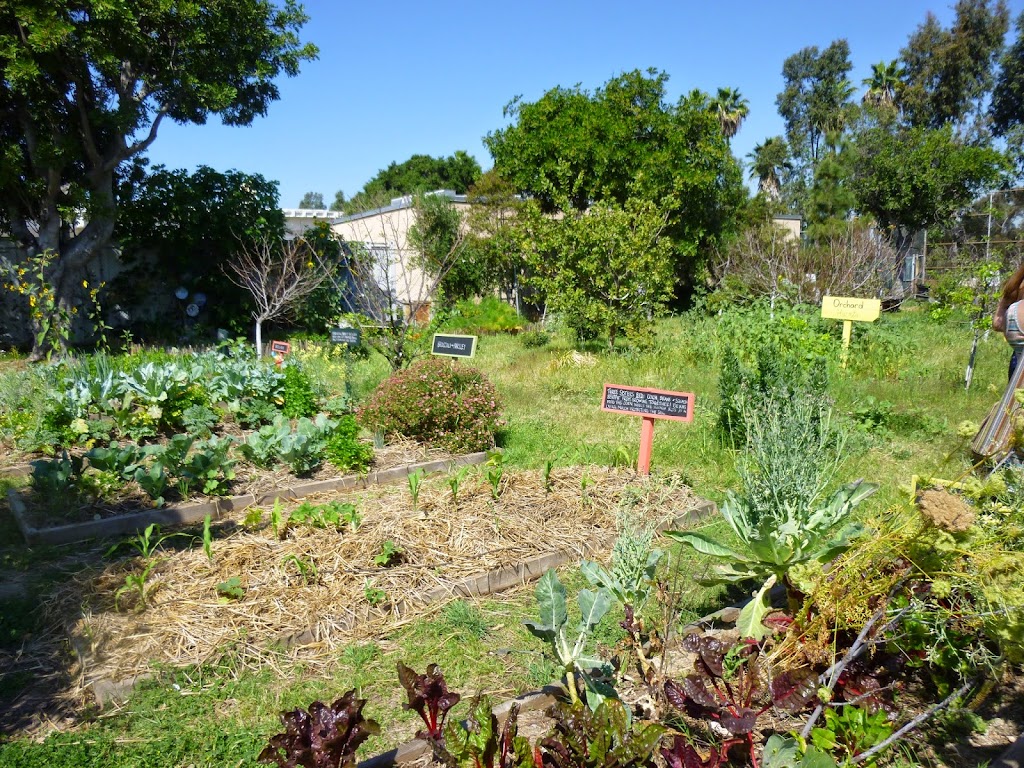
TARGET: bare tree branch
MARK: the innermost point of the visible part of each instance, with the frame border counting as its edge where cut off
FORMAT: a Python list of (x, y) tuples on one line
[(278, 275)]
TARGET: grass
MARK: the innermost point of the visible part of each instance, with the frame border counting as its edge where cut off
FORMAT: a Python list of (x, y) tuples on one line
[(901, 408)]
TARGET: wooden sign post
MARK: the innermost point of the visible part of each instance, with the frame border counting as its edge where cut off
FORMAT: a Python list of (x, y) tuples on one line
[(453, 346), (650, 404), (278, 349), (848, 309)]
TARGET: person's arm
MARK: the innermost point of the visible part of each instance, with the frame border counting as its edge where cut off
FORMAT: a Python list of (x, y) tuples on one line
[(1012, 291)]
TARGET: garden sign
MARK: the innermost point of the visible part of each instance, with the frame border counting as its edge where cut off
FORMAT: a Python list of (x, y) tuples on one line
[(351, 337), (848, 309), (453, 346), (650, 404)]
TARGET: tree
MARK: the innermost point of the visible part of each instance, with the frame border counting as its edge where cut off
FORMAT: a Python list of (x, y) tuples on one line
[(574, 148), (177, 228), (439, 238), (278, 275), (1007, 110), (769, 161), (830, 199), (420, 173), (732, 109), (884, 85), (607, 269), (86, 86), (766, 261), (339, 201), (494, 235), (912, 178), (313, 200), (815, 101), (948, 72)]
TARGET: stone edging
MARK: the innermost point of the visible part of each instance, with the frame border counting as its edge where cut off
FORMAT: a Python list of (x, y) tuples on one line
[(183, 514)]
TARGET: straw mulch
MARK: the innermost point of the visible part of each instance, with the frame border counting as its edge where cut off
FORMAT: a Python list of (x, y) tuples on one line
[(185, 622)]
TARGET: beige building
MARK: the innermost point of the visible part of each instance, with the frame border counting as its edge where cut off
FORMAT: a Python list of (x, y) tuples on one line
[(792, 224), (389, 258)]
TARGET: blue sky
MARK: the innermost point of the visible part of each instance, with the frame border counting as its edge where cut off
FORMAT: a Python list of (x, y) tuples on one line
[(401, 78)]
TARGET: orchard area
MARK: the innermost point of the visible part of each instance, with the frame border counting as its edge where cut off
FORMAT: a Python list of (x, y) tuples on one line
[(877, 578)]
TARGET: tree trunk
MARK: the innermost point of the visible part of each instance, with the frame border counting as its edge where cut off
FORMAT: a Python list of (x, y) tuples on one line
[(74, 253), (259, 338)]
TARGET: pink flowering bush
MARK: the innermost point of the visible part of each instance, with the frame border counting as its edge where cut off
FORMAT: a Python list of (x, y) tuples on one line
[(447, 405)]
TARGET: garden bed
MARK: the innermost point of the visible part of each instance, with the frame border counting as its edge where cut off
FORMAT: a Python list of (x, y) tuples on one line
[(311, 589), (103, 519)]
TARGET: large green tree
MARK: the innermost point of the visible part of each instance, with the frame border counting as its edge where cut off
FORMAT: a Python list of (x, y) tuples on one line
[(314, 200), (914, 177), (494, 235), (439, 238), (769, 162), (420, 173), (572, 149), (885, 86), (732, 109), (949, 72), (87, 84), (177, 228), (1007, 110), (608, 269), (815, 101)]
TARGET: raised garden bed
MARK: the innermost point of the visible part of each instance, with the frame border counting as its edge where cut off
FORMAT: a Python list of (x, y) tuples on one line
[(474, 546), (218, 508)]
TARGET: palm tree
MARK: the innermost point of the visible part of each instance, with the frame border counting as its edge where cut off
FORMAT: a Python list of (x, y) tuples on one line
[(731, 108), (884, 85), (767, 163)]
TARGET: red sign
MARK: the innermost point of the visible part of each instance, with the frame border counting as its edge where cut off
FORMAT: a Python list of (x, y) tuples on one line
[(280, 348)]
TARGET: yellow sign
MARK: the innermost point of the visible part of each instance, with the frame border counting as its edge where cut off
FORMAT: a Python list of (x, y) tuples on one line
[(850, 308)]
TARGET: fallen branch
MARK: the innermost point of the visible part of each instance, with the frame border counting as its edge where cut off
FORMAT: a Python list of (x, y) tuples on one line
[(912, 724)]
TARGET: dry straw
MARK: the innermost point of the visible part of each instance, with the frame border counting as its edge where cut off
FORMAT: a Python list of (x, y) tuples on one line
[(442, 543)]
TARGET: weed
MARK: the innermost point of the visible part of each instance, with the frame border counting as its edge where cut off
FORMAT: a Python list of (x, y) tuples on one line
[(465, 618), (390, 554), (372, 594), (231, 589), (306, 568)]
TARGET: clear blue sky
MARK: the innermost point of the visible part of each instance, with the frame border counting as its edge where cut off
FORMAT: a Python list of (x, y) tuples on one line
[(400, 78)]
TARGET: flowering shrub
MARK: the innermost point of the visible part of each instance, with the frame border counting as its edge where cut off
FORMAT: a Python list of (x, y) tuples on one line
[(449, 405)]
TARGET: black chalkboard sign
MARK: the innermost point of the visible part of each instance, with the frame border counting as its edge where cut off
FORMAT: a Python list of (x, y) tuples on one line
[(280, 347), (643, 401), (350, 336), (453, 346)]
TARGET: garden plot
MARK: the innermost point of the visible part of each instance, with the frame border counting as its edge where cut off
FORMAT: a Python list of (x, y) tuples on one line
[(275, 578)]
